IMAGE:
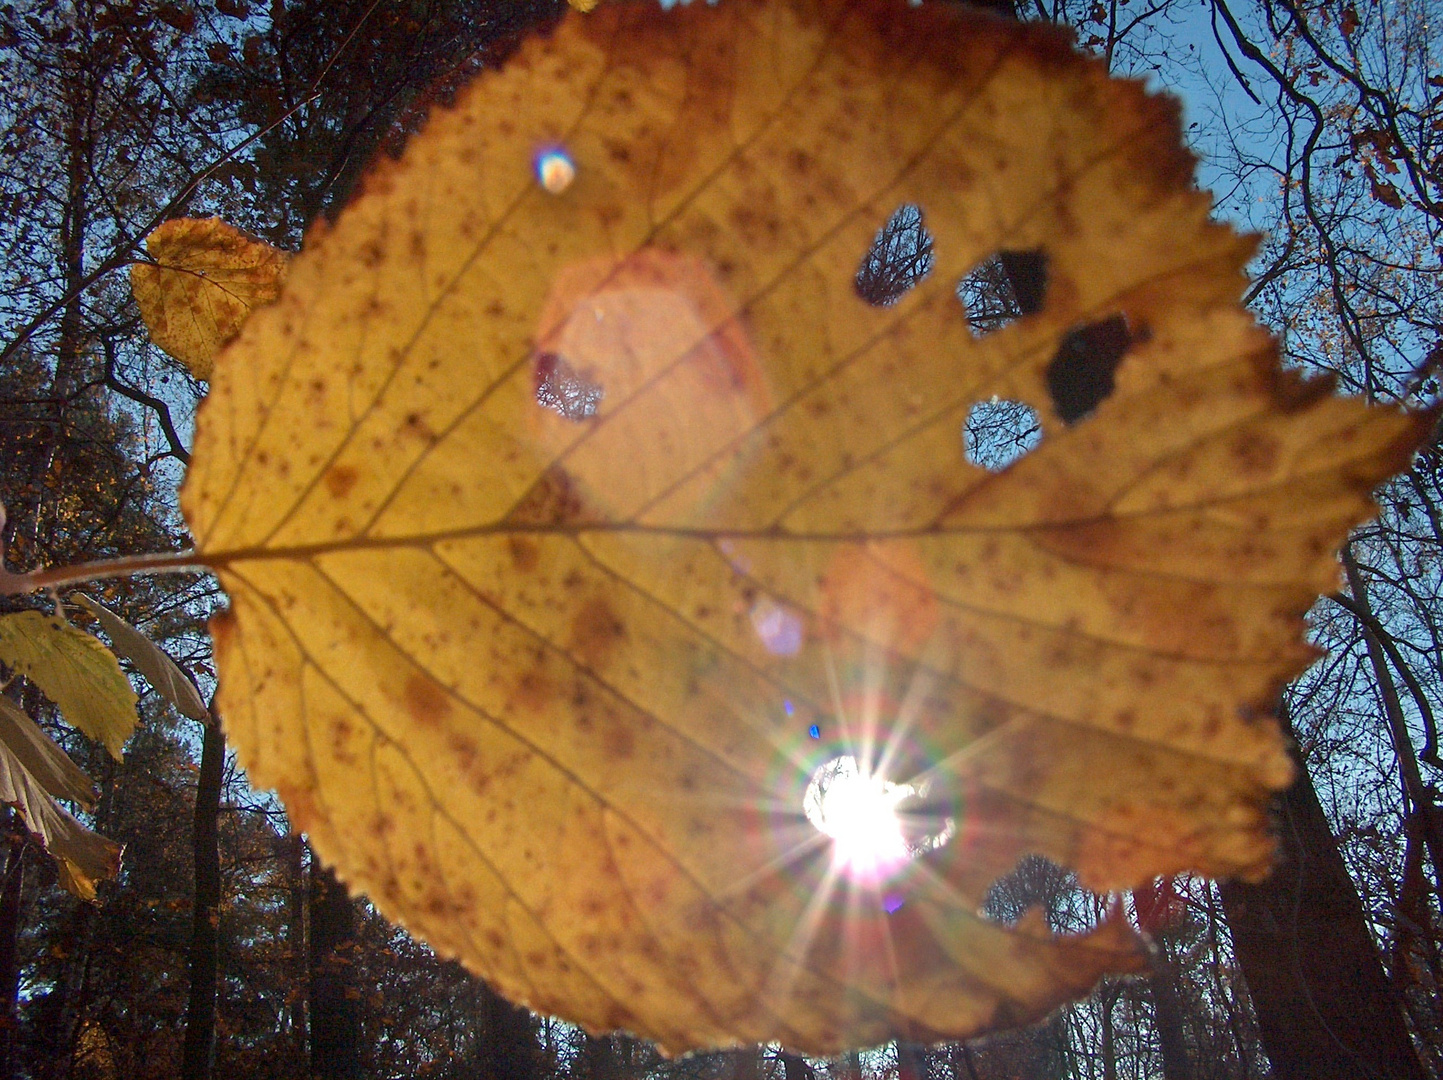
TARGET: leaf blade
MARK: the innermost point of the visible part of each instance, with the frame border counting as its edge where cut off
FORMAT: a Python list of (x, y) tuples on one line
[(163, 673), (49, 765), (84, 857), (74, 670), (531, 634), (206, 278)]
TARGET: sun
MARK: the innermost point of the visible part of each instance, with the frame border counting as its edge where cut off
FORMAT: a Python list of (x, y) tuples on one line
[(859, 811)]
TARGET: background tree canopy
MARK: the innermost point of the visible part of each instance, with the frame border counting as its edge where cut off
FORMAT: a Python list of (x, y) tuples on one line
[(225, 948)]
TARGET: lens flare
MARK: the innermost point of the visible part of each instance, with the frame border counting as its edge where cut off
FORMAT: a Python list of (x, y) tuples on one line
[(779, 627), (555, 170), (859, 812), (872, 838)]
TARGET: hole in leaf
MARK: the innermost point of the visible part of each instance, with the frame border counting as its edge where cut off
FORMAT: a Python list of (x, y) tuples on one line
[(1002, 289), (561, 388), (998, 432), (1080, 377), (1037, 889), (899, 257)]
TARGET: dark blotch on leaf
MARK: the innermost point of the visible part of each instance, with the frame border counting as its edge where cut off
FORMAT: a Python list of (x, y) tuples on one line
[(1003, 288), (564, 390), (899, 257), (1080, 377)]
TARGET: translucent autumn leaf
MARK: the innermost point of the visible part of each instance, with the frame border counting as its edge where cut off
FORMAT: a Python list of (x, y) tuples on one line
[(34, 772), (75, 671), (39, 755), (205, 279), (163, 673), (576, 532)]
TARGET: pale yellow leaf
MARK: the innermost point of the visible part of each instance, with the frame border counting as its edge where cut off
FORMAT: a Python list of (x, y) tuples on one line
[(74, 670), (42, 758), (571, 484), (84, 857), (150, 659), (205, 279)]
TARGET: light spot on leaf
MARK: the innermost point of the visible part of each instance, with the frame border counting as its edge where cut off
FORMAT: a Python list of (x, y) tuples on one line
[(778, 627), (555, 170), (561, 389)]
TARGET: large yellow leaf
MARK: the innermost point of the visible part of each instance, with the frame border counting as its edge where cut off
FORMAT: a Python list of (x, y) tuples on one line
[(556, 513), (75, 671), (205, 279)]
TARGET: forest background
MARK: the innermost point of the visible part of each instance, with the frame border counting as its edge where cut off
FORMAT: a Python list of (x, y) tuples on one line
[(223, 949)]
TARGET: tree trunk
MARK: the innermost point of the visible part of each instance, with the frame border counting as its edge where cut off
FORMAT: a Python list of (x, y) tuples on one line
[(911, 1060), (292, 853), (199, 1053), (1232, 1000), (335, 1012), (1108, 1000), (795, 1067), (10, 897), (747, 1063), (1324, 1006), (509, 1050), (1177, 1061), (961, 1053), (599, 1060)]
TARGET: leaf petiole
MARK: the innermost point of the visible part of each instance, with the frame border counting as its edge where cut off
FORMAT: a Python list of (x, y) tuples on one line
[(169, 562)]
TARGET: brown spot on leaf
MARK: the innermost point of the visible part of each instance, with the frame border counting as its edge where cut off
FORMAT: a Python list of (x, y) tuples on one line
[(533, 690), (222, 627), (343, 734), (555, 499), (340, 479), (618, 740), (427, 703), (1256, 452), (416, 425), (596, 631), (524, 554)]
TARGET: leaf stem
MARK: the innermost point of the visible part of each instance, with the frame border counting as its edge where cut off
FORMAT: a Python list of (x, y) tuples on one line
[(170, 562)]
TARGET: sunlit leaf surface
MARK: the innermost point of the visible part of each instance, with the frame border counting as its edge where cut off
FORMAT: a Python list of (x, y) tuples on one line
[(576, 514)]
